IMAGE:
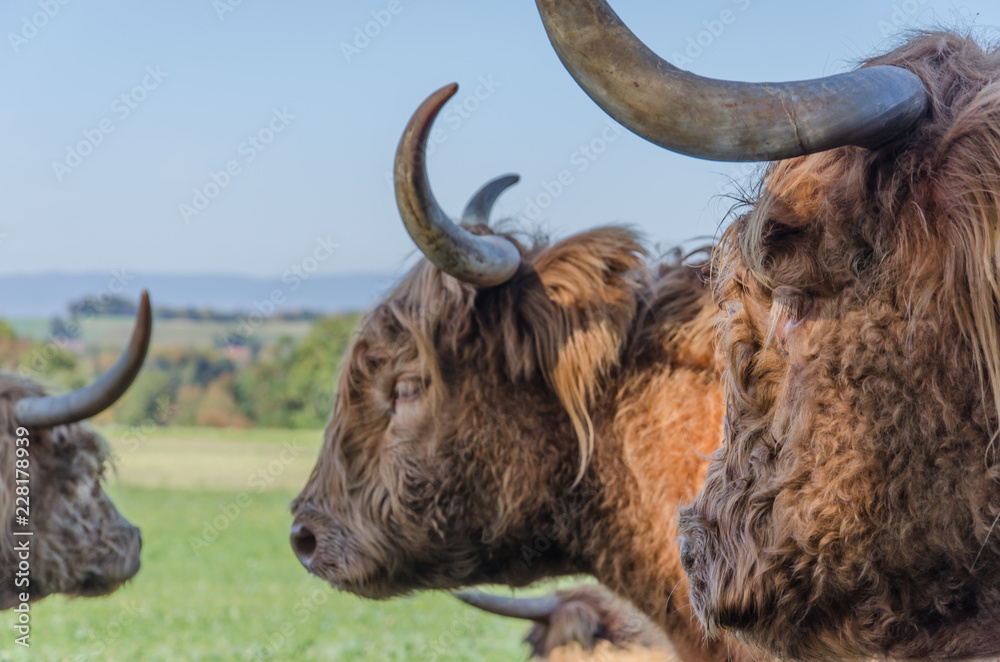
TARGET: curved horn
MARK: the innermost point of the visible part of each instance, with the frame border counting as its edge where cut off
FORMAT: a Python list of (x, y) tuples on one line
[(724, 120), (482, 261), (479, 207), (529, 609), (49, 411)]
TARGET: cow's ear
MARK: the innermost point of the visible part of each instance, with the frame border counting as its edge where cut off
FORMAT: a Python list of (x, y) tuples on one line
[(575, 303)]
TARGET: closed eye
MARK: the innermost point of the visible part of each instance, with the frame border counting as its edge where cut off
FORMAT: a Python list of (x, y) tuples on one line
[(407, 389), (795, 311), (789, 308)]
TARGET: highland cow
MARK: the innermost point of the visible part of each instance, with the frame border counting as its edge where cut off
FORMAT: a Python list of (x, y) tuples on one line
[(514, 411), (853, 508), (75, 541)]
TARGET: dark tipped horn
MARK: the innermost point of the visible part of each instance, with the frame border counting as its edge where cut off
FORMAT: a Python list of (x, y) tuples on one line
[(530, 609), (481, 204), (725, 120), (483, 261), (49, 411)]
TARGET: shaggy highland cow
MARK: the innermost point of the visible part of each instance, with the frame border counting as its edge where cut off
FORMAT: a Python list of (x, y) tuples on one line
[(853, 509), (512, 412), (79, 543)]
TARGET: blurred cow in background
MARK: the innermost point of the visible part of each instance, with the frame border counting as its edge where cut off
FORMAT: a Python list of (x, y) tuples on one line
[(583, 624), (51, 470)]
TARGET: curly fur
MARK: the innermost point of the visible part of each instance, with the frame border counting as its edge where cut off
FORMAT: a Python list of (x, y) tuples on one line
[(563, 417), (81, 544), (851, 512)]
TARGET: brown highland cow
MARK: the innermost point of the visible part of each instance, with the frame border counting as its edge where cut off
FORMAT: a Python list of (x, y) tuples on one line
[(516, 411), (79, 544), (853, 509)]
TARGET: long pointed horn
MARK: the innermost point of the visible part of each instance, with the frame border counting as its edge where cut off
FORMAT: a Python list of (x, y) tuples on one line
[(481, 204), (482, 261), (49, 411), (529, 609), (724, 120)]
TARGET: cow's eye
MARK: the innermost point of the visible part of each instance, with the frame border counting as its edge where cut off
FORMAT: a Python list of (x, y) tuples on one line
[(407, 389), (790, 308)]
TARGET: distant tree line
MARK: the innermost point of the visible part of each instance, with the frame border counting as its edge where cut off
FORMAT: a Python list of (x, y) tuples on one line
[(90, 306), (286, 384)]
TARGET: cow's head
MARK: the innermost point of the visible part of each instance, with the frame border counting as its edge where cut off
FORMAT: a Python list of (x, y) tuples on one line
[(52, 468), (461, 414), (853, 509)]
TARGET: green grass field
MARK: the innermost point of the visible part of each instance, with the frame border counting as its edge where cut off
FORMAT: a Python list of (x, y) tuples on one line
[(239, 594)]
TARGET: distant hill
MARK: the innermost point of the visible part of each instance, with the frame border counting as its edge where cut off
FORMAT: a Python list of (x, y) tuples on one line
[(47, 295)]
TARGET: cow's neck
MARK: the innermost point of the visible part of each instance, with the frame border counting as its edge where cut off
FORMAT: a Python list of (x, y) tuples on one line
[(654, 440)]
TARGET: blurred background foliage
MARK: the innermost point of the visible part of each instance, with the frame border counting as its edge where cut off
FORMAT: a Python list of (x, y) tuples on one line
[(205, 368)]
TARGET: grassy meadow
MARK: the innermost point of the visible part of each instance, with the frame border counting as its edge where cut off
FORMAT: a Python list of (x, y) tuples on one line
[(219, 581)]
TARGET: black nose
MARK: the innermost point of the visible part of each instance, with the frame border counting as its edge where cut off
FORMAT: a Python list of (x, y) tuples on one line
[(135, 551), (304, 543), (688, 557)]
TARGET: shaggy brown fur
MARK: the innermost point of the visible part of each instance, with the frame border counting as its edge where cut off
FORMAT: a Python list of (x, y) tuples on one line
[(452, 457), (852, 510), (81, 544)]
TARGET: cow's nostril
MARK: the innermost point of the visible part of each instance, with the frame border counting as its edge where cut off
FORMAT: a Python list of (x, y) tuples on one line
[(304, 543), (688, 557)]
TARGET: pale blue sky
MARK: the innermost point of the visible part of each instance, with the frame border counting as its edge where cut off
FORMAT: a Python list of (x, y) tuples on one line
[(324, 174)]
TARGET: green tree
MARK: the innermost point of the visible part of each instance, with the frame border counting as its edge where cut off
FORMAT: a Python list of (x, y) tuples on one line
[(219, 408), (292, 386), (7, 331), (148, 397)]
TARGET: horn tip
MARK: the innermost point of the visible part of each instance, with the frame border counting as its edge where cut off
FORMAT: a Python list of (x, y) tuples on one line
[(145, 313), (474, 598), (431, 106), (468, 596), (143, 331)]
